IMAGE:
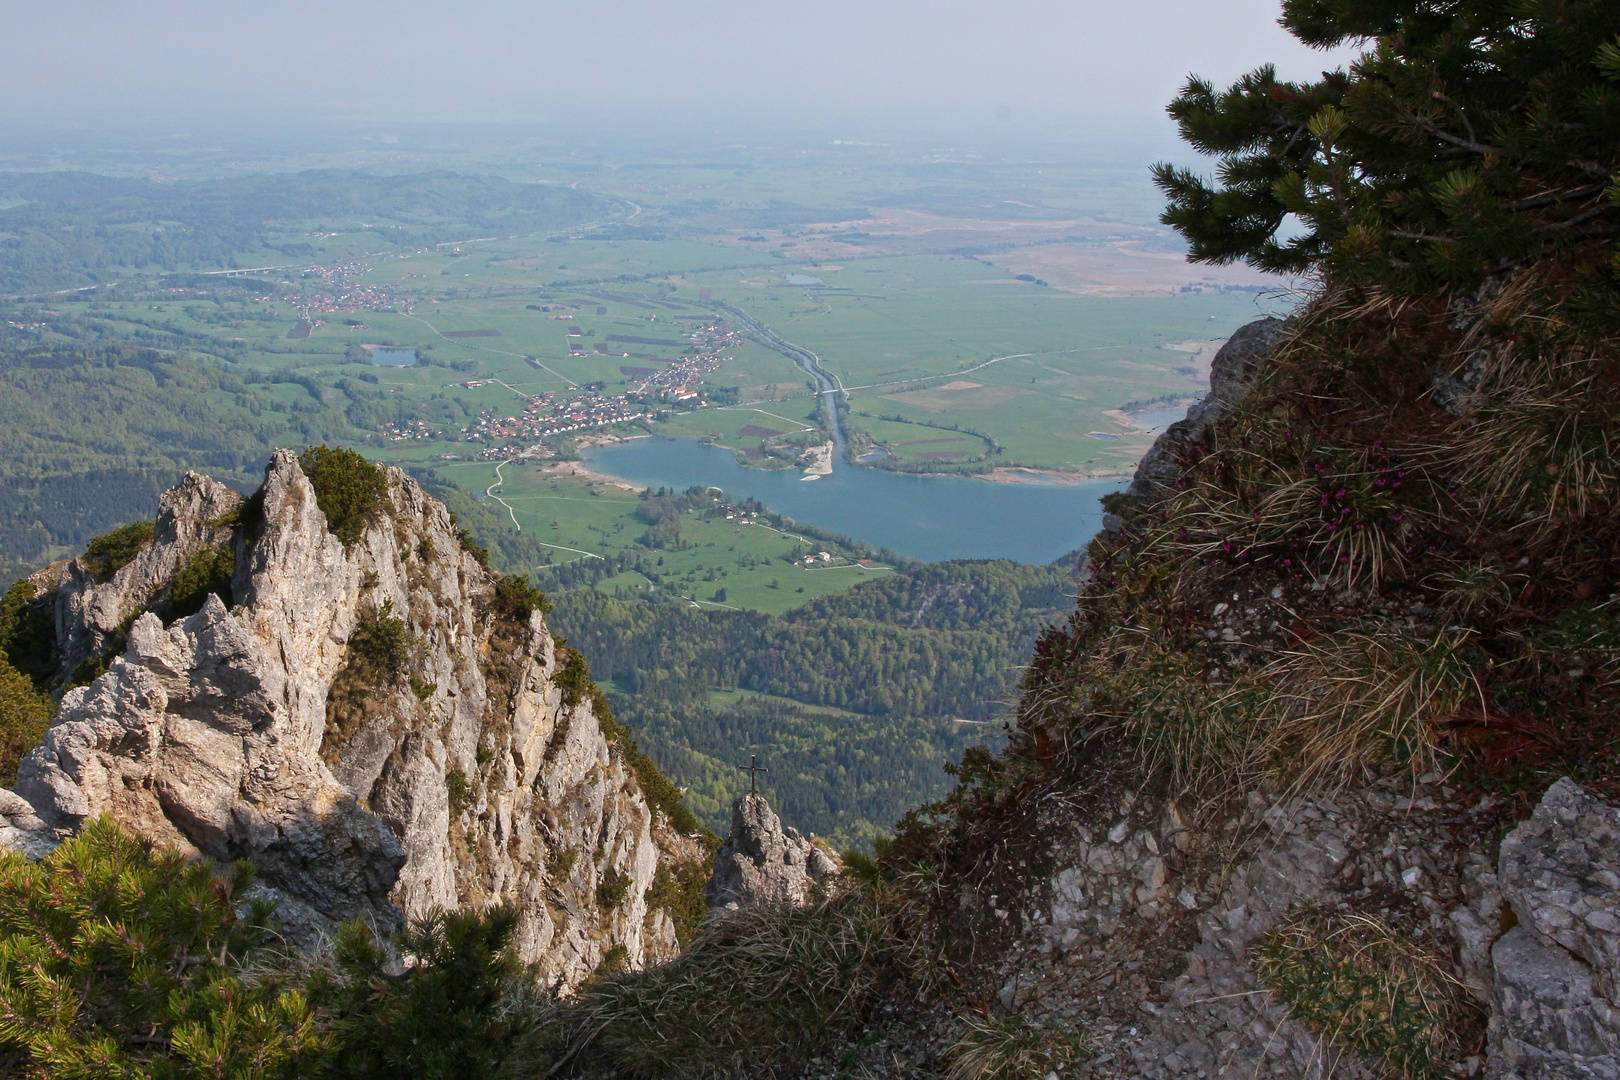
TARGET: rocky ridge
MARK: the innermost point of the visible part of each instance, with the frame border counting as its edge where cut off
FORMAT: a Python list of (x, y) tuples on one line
[(364, 779)]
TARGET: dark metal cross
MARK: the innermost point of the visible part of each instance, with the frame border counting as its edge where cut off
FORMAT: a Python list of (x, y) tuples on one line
[(753, 769)]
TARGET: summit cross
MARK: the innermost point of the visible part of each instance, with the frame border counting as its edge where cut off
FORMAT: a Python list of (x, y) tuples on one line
[(753, 769)]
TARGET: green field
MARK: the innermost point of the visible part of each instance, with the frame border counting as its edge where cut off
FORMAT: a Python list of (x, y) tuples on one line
[(580, 520)]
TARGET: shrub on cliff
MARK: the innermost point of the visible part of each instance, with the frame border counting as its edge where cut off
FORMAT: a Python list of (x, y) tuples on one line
[(120, 958), (463, 1009), (348, 488), (24, 715), (108, 553)]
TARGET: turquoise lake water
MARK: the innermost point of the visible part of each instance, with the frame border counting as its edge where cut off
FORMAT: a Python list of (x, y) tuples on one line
[(927, 517), (393, 357)]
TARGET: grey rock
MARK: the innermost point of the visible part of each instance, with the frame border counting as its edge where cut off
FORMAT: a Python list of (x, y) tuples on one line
[(1547, 1018), (1560, 872), (220, 734), (1231, 374), (762, 861), (90, 613), (1557, 972)]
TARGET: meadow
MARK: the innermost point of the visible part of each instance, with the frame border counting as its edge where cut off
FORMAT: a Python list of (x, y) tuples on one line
[(716, 563)]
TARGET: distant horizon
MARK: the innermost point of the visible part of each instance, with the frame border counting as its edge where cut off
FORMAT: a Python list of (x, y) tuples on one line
[(128, 77)]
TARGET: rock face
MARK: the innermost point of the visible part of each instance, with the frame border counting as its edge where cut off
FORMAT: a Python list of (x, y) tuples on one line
[(276, 728), (761, 860), (1556, 1007), (1229, 377)]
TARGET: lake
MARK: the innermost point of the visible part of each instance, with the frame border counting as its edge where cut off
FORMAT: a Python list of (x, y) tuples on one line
[(393, 357), (927, 517)]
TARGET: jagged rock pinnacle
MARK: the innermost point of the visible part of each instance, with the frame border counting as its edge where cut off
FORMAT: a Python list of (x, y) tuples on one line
[(761, 860)]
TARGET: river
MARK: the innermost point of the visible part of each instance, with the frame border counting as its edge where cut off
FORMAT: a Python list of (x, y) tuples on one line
[(927, 517)]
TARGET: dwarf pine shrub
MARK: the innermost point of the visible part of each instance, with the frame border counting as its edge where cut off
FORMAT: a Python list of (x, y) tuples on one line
[(348, 488)]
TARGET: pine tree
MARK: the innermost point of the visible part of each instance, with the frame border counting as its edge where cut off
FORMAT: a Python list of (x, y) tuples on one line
[(118, 959), (1469, 137)]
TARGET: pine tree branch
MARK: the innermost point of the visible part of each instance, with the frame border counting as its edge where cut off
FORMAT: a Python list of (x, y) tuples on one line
[(1569, 223), (1555, 197)]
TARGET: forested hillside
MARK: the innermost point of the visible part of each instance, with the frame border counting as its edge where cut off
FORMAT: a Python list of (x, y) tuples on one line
[(77, 228), (856, 701)]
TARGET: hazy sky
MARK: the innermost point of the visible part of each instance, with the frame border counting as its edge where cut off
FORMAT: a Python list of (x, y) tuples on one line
[(1032, 62)]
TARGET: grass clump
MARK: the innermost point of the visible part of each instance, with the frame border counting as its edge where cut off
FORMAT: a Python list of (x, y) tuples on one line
[(348, 488), (1006, 1048), (756, 988), (110, 552), (1366, 987)]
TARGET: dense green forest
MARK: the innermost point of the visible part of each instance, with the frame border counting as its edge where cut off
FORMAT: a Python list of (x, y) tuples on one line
[(78, 228), (855, 701)]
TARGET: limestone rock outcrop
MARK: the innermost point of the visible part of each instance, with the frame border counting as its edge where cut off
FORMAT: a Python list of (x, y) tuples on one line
[(1556, 1007), (363, 782), (761, 860), (1230, 374)]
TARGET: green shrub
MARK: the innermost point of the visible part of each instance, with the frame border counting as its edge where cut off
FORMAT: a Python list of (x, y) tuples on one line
[(678, 893), (120, 959), (348, 488), (423, 690), (1466, 138), (561, 863), (207, 572), (459, 792), (1366, 987), (516, 599), (28, 633), (381, 642), (574, 680), (612, 890), (108, 553), (25, 713), (465, 1009)]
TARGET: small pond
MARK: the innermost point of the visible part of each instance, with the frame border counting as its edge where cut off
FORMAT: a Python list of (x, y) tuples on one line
[(393, 357)]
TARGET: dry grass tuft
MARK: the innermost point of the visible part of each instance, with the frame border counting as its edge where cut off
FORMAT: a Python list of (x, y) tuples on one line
[(1350, 706), (1368, 989), (755, 988), (1544, 448), (1006, 1048)]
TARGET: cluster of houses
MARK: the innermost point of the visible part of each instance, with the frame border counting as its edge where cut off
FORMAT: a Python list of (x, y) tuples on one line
[(338, 293)]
